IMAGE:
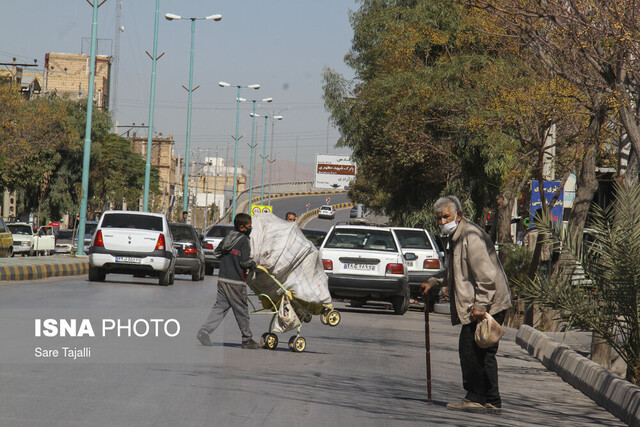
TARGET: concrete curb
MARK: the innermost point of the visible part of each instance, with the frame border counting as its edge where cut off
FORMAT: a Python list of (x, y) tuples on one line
[(44, 270), (615, 394)]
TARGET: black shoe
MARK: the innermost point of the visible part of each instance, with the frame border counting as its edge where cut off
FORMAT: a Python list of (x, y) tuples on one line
[(203, 337), (251, 345)]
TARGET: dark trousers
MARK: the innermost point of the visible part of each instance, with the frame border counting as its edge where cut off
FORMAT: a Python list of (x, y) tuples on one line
[(479, 366)]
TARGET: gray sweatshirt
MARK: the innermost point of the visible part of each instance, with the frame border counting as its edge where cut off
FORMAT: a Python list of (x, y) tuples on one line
[(234, 255)]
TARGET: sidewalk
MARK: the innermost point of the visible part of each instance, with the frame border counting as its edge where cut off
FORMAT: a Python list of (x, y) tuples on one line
[(41, 267)]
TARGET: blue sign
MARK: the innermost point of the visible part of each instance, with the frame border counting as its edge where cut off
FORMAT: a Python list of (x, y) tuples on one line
[(550, 188)]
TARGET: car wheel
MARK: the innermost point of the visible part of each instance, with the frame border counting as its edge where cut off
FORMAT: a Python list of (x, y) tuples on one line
[(357, 303), (164, 278), (198, 275), (31, 251), (96, 274), (400, 303)]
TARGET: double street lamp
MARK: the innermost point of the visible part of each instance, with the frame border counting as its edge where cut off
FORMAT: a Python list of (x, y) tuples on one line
[(253, 145), (264, 153), (235, 157), (174, 17)]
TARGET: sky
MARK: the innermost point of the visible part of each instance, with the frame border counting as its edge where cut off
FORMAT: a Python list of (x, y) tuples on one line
[(281, 45)]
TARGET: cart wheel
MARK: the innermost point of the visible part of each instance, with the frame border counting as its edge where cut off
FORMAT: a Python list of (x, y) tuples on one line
[(323, 318), (333, 318), (263, 340), (306, 318), (271, 341), (297, 344)]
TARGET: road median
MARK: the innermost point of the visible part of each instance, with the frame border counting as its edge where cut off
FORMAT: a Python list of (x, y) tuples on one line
[(33, 268)]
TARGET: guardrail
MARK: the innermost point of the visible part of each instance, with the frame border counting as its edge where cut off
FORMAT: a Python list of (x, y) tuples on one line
[(285, 189)]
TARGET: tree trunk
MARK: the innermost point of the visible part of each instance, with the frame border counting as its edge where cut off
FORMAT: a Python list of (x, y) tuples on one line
[(600, 351), (633, 373), (503, 217)]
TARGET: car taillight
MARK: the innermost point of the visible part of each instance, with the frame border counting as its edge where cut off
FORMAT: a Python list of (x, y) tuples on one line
[(395, 269), (191, 252), (207, 246), (98, 240), (160, 244), (327, 264), (431, 263)]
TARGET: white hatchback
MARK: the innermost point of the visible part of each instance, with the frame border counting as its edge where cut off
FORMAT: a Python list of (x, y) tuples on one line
[(422, 255), (326, 211)]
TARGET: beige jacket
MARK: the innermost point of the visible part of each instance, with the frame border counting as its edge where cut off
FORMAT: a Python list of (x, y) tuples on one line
[(476, 277)]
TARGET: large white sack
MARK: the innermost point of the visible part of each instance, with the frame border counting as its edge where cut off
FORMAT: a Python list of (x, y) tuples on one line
[(282, 249)]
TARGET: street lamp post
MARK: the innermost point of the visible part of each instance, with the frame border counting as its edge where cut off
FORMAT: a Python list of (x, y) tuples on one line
[(235, 157), (86, 160), (253, 145), (173, 17), (271, 159), (154, 59)]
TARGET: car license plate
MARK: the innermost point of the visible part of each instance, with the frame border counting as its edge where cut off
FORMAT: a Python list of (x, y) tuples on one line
[(409, 263), (361, 267), (128, 259)]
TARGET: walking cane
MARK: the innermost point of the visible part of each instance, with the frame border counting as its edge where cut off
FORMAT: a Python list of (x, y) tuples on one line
[(427, 345)]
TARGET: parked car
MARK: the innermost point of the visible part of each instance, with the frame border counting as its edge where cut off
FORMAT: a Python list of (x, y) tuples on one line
[(326, 211), (315, 236), (214, 236), (6, 240), (132, 242), (29, 242), (64, 242), (422, 257), (190, 257), (365, 263), (353, 213), (89, 229)]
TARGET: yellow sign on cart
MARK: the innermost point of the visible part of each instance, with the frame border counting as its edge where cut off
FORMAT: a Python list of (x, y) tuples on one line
[(256, 209)]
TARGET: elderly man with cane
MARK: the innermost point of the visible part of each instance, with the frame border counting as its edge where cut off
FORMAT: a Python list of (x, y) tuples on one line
[(477, 285)]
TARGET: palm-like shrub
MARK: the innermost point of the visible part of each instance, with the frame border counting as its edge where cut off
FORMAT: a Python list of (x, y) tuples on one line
[(596, 285)]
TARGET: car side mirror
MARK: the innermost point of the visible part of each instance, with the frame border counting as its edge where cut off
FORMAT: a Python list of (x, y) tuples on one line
[(410, 256)]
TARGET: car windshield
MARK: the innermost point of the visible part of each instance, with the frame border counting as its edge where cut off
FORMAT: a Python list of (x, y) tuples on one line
[(89, 229), (182, 233), (124, 220), (315, 236), (219, 231), (413, 239), (353, 238), (20, 229)]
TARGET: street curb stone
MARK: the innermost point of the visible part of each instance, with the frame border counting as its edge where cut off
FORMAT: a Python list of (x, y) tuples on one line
[(615, 394), (44, 270)]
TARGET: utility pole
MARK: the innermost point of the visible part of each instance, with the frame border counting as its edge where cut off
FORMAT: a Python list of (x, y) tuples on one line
[(295, 165), (215, 185), (206, 197), (116, 63)]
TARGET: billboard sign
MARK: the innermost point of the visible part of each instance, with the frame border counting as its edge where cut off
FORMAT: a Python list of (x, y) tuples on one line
[(555, 211), (334, 172)]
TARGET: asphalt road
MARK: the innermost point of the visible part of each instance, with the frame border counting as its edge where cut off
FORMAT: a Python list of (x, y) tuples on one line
[(367, 371)]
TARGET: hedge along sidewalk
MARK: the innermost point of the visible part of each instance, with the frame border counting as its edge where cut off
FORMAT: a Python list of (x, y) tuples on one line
[(615, 394), (32, 268)]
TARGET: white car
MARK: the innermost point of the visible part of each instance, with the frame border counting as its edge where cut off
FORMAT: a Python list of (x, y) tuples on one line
[(365, 263), (326, 211), (26, 242), (132, 242), (422, 255)]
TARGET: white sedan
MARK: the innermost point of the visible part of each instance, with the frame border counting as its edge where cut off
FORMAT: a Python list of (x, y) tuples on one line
[(326, 211)]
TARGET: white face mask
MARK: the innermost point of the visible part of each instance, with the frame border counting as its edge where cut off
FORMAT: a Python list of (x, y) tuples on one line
[(450, 227)]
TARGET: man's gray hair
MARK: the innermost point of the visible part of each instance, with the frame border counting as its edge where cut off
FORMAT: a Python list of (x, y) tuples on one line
[(450, 202)]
